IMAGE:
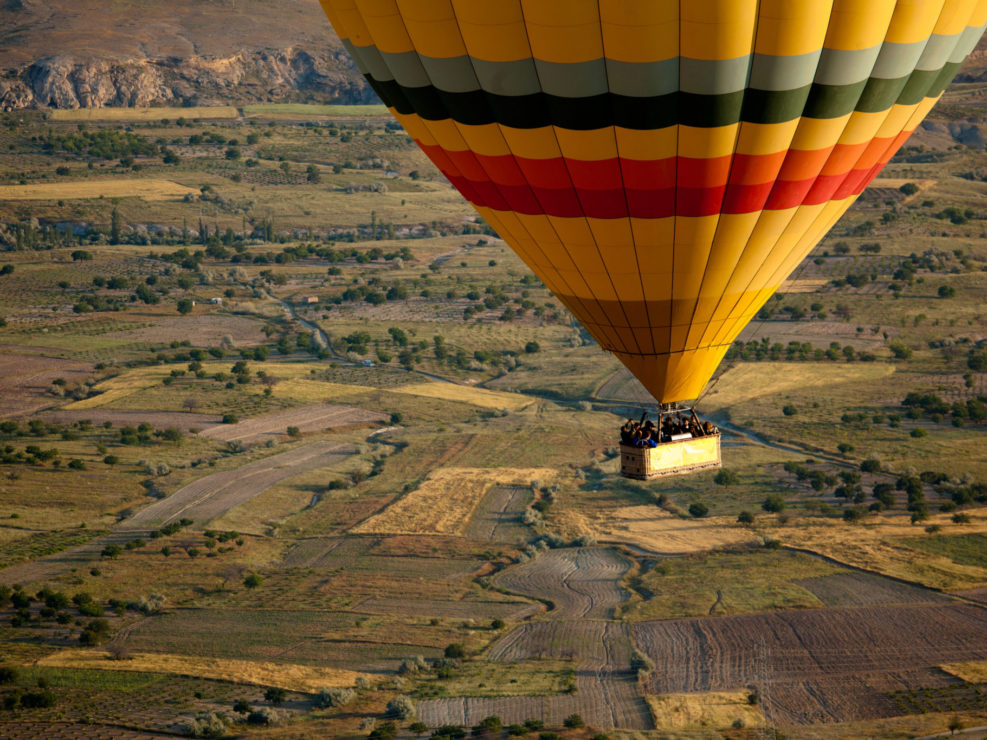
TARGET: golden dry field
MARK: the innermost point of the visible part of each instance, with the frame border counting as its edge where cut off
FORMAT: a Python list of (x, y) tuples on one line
[(712, 710), (142, 114), (283, 675), (147, 190), (475, 396), (445, 501)]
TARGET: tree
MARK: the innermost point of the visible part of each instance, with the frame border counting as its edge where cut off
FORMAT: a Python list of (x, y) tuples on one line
[(190, 403), (745, 517), (116, 227), (955, 725), (946, 291), (909, 188), (185, 306), (789, 410), (294, 432), (253, 581), (573, 721), (313, 174), (335, 697)]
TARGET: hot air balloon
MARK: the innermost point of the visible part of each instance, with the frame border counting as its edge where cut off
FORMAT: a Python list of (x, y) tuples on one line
[(661, 165)]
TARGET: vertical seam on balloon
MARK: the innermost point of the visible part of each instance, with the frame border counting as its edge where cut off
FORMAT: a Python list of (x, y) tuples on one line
[(776, 273), (428, 124), (496, 185), (576, 191), (675, 192), (733, 159), (706, 336), (797, 208), (623, 189)]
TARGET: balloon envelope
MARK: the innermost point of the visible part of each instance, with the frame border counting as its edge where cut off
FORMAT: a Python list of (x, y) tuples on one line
[(661, 165)]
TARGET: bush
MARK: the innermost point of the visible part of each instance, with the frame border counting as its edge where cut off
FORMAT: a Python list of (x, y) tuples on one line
[(870, 465), (335, 697), (774, 503), (253, 581), (726, 478), (573, 721), (264, 716), (789, 410), (455, 651), (37, 699), (745, 517), (698, 510), (918, 433), (276, 695), (401, 707), (230, 419)]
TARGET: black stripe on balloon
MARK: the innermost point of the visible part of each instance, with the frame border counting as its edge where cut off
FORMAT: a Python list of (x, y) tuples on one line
[(478, 108)]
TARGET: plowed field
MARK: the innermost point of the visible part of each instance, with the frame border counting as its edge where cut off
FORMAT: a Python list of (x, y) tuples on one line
[(25, 379), (498, 516), (313, 418), (209, 497), (825, 665), (478, 610), (582, 583), (867, 589), (158, 419)]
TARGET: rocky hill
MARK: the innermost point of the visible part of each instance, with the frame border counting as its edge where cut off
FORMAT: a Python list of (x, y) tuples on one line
[(93, 53)]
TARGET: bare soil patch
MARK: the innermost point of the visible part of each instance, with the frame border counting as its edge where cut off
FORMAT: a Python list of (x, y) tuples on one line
[(868, 589), (209, 497), (119, 417), (498, 516), (314, 418), (25, 379), (825, 665), (478, 610), (206, 330)]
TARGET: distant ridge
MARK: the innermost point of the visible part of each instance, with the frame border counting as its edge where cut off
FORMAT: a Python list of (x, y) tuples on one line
[(95, 53)]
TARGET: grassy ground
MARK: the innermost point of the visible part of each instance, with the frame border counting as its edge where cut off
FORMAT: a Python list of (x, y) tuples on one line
[(325, 565)]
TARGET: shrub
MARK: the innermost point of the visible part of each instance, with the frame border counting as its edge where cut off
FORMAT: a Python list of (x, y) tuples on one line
[(918, 433), (698, 510), (745, 517), (455, 651), (37, 699), (335, 697), (276, 695), (726, 478), (573, 721), (253, 581), (789, 410), (264, 716), (401, 707), (774, 503)]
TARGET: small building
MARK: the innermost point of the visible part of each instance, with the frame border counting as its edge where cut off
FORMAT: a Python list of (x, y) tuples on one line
[(217, 301)]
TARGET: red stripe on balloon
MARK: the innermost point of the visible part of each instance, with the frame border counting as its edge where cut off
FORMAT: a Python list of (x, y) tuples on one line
[(683, 186)]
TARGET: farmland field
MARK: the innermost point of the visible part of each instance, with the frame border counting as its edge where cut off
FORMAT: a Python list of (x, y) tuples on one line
[(280, 408), (144, 189), (822, 665)]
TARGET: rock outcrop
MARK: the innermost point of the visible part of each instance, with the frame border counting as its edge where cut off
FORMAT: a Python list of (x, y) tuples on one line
[(256, 76)]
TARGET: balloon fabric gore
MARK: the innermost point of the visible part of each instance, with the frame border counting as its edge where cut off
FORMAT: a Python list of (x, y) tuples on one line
[(662, 166)]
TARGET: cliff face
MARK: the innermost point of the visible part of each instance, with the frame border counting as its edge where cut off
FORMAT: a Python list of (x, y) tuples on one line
[(93, 53), (258, 76)]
